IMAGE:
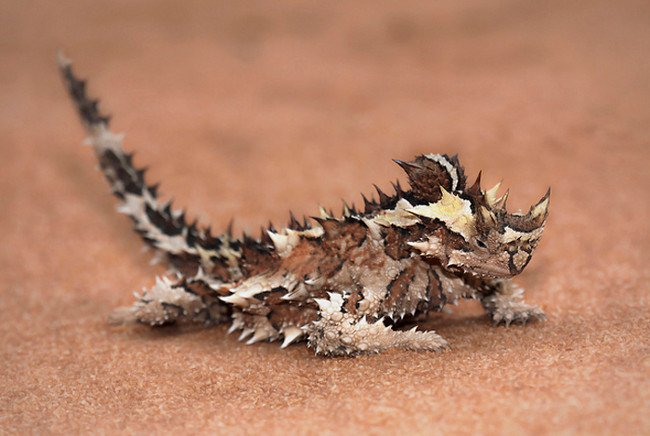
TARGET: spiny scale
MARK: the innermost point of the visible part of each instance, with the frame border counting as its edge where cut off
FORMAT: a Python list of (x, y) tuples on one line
[(343, 284)]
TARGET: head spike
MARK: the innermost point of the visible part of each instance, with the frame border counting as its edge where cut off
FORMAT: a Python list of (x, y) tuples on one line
[(279, 241), (398, 188), (409, 167), (153, 189), (491, 195), (140, 174), (346, 209), (384, 200), (229, 229), (181, 218), (330, 225), (539, 211), (323, 213), (487, 216), (167, 209), (501, 202), (264, 236), (475, 189), (368, 205), (293, 221)]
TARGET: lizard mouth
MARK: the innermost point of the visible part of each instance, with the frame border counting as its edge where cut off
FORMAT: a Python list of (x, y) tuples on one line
[(476, 273), (493, 271), (480, 271)]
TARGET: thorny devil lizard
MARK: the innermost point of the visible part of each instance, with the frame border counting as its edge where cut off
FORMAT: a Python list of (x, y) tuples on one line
[(346, 284)]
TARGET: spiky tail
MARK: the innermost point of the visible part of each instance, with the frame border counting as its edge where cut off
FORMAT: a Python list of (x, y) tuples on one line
[(186, 245)]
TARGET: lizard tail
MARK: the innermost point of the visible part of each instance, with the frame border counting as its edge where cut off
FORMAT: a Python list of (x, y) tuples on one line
[(185, 245)]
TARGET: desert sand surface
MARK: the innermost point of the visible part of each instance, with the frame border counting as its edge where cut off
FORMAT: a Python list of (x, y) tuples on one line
[(248, 109)]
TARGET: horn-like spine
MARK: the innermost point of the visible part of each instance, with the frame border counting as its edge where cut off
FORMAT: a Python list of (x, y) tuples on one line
[(491, 195), (475, 189), (384, 199), (540, 210)]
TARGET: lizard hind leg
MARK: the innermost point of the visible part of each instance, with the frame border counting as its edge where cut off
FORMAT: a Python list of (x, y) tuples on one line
[(168, 302), (339, 333)]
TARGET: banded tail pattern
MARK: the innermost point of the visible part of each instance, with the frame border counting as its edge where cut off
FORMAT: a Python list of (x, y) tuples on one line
[(185, 245)]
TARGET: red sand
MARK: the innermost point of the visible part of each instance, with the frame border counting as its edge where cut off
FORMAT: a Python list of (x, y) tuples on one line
[(246, 111)]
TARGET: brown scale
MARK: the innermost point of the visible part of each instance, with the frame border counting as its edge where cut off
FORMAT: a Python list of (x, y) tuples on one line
[(305, 258), (426, 177), (323, 256), (292, 314), (341, 236), (280, 312), (186, 264), (257, 258), (398, 288), (326, 256), (437, 297), (395, 240), (202, 290), (351, 304), (219, 271), (450, 240)]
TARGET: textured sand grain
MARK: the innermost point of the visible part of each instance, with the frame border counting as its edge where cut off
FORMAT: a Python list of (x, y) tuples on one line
[(245, 111)]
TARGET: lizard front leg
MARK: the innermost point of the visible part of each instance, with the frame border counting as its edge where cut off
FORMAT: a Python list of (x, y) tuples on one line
[(506, 305), (338, 333)]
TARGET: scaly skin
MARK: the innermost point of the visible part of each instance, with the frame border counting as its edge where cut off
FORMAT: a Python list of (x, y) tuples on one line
[(343, 284)]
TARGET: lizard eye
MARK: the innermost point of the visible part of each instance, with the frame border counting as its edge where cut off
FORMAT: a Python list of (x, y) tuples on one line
[(481, 244)]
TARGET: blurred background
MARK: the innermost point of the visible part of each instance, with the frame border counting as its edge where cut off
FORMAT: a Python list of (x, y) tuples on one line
[(248, 109), (215, 94)]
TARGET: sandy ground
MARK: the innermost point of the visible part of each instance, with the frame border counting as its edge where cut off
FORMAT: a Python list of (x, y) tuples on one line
[(246, 110)]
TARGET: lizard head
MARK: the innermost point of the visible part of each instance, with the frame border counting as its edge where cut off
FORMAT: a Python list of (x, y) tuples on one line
[(467, 228)]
